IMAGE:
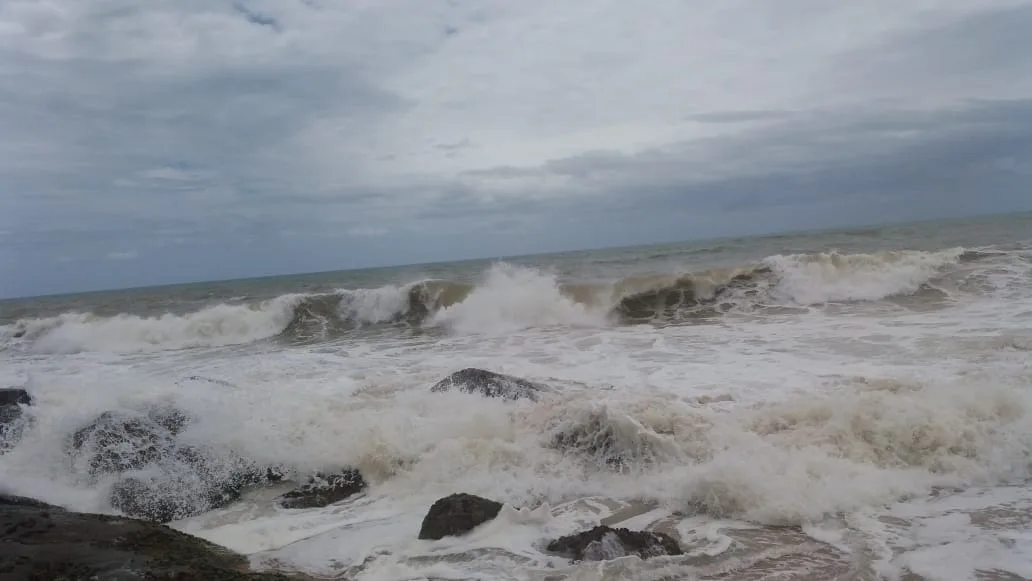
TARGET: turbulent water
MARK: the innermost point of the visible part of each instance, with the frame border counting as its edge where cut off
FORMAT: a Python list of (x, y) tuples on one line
[(835, 405)]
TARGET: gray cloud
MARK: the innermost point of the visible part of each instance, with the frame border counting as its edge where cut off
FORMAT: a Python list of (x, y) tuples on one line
[(213, 140)]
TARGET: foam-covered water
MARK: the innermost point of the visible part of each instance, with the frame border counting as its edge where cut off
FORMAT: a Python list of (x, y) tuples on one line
[(841, 405)]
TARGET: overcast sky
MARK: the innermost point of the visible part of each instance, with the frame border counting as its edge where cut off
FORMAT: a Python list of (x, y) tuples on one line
[(174, 140)]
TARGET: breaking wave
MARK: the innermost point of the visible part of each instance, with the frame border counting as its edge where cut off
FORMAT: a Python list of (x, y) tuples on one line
[(507, 298)]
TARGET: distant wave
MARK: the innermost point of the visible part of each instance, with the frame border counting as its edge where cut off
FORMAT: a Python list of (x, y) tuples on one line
[(507, 298)]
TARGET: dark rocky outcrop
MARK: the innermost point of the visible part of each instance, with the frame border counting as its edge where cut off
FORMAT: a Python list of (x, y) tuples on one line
[(192, 481), (44, 542), (604, 543), (11, 423), (14, 396), (172, 419), (162, 479), (457, 515), (490, 384), (119, 442), (322, 490)]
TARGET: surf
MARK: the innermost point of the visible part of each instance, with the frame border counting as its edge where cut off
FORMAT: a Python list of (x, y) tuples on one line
[(507, 298)]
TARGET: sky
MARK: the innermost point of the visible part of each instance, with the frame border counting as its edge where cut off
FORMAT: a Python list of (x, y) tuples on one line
[(182, 140)]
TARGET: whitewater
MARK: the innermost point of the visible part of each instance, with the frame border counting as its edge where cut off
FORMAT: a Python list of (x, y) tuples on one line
[(852, 404)]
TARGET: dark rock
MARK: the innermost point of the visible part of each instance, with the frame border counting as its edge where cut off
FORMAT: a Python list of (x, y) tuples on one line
[(604, 543), (14, 396), (170, 418), (44, 542), (322, 490), (191, 482), (119, 442), (490, 384), (148, 500), (11, 423), (457, 515)]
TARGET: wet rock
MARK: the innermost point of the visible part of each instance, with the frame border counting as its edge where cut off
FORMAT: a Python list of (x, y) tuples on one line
[(172, 419), (457, 515), (611, 440), (604, 543), (148, 500), (41, 541), (490, 384), (14, 396), (11, 422), (192, 482), (119, 442), (322, 490)]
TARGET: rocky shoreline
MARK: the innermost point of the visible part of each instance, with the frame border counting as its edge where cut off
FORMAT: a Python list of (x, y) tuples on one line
[(159, 479)]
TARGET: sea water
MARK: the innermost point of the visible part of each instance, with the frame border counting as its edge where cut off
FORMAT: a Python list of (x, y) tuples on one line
[(847, 404)]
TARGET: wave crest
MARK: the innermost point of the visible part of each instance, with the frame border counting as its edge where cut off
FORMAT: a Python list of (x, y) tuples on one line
[(508, 298)]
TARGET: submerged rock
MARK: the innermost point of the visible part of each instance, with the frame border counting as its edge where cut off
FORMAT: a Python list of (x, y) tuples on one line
[(11, 422), (604, 543), (614, 441), (457, 515), (119, 442), (322, 490), (48, 542), (490, 384)]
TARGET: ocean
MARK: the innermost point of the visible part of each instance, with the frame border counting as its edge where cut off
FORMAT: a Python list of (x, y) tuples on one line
[(852, 404)]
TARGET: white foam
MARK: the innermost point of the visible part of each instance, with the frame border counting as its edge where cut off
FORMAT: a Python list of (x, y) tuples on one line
[(512, 298), (372, 306), (214, 326), (809, 279), (793, 419)]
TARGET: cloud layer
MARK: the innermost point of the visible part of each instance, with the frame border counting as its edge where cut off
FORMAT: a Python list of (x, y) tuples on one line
[(193, 139)]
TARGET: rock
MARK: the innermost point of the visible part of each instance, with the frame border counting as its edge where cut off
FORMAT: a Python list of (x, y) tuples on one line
[(11, 424), (322, 490), (170, 418), (490, 384), (611, 440), (118, 442), (148, 500), (192, 482), (14, 396), (604, 543), (41, 541), (457, 515)]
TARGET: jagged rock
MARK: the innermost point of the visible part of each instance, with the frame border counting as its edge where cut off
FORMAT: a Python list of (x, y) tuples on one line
[(490, 384), (148, 500), (604, 543), (322, 490), (41, 541), (119, 442), (191, 482), (11, 423), (457, 515)]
